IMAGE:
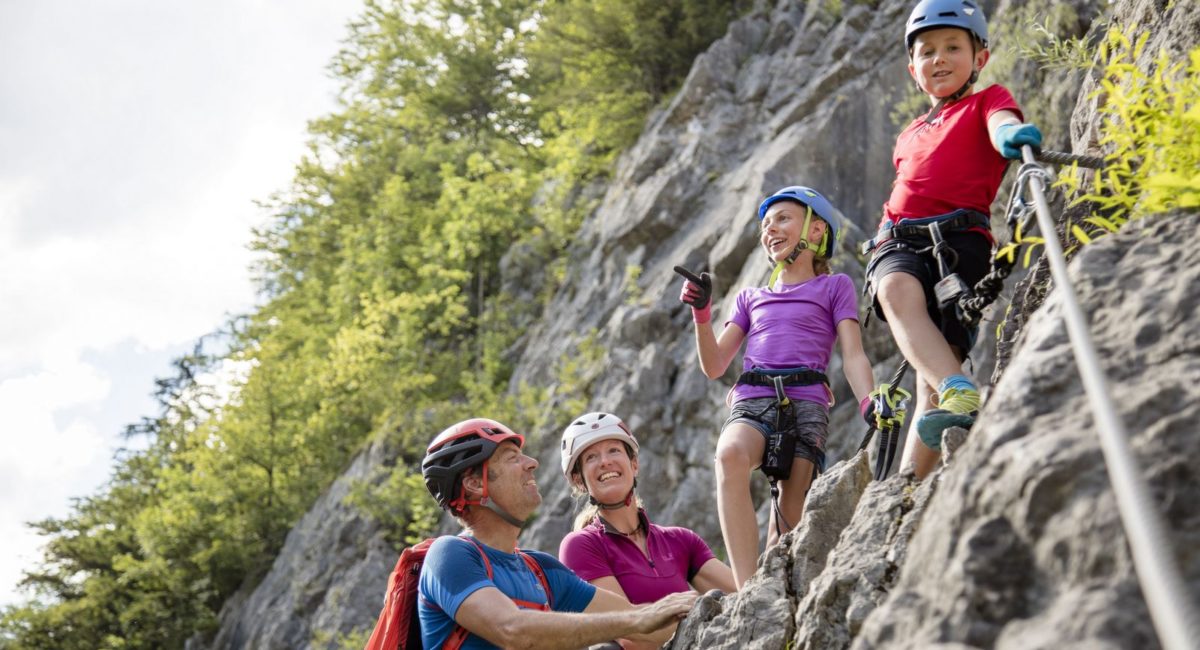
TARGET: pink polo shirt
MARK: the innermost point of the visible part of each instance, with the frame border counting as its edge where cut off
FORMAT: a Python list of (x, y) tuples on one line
[(675, 557)]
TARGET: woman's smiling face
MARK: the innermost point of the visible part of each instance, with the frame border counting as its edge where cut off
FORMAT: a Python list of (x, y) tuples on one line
[(608, 471)]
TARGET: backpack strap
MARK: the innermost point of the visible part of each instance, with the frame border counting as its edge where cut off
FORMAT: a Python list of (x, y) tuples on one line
[(534, 566), (459, 635), (538, 571)]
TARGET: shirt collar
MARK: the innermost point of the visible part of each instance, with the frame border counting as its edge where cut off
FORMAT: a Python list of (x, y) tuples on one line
[(603, 524)]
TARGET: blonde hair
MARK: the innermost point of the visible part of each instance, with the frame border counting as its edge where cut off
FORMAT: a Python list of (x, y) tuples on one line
[(821, 266)]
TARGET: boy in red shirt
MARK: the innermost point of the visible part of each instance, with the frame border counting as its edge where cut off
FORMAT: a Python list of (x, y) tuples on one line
[(949, 165)]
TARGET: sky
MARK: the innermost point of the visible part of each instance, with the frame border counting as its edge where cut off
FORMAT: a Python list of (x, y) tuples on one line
[(135, 138)]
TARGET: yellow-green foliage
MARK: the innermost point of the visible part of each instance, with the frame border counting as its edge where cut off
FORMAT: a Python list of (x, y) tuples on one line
[(1150, 121), (633, 291), (1039, 40)]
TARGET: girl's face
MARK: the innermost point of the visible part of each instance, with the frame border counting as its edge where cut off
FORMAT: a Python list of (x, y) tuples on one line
[(608, 470), (781, 228), (943, 59)]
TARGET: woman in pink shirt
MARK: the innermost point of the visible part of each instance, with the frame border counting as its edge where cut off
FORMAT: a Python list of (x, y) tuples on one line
[(614, 545)]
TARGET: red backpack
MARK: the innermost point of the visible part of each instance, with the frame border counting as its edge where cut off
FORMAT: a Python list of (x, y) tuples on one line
[(399, 627)]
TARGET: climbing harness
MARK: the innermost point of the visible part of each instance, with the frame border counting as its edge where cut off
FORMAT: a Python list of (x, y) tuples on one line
[(891, 407), (780, 450), (969, 303), (802, 376), (1171, 608), (926, 236), (952, 293)]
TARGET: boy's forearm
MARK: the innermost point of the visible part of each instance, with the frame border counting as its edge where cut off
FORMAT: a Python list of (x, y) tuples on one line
[(997, 120)]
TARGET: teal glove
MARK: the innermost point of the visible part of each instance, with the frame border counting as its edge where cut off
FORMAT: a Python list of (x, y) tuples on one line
[(1012, 136)]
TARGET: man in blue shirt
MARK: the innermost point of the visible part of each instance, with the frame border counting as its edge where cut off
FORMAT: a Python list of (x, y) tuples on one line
[(480, 588)]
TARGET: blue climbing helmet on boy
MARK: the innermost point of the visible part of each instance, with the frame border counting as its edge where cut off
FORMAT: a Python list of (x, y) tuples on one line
[(814, 204), (929, 14)]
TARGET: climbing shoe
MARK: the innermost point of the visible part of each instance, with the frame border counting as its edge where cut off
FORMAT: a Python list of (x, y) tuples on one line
[(958, 404)]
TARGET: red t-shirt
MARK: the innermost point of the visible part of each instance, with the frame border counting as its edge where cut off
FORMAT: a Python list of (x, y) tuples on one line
[(950, 164)]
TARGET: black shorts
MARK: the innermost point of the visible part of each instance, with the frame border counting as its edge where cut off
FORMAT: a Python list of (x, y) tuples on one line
[(974, 253)]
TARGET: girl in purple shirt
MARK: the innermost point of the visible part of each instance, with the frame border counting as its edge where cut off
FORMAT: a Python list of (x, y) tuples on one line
[(789, 328), (614, 545)]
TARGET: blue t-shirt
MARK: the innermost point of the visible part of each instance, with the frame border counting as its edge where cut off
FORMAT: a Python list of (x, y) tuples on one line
[(454, 570)]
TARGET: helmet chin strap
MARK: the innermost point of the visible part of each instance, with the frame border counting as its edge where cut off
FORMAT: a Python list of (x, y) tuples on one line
[(801, 246), (501, 512), (617, 505), (957, 95), (462, 502)]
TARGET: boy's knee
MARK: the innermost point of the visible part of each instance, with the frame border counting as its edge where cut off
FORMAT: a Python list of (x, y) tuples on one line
[(898, 291)]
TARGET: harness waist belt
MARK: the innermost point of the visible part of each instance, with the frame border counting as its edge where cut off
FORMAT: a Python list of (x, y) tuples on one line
[(798, 377), (956, 221)]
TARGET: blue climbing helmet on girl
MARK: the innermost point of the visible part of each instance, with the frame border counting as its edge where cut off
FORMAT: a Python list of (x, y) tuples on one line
[(928, 14), (819, 206)]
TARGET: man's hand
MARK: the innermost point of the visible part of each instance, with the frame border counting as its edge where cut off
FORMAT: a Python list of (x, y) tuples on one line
[(697, 292), (665, 611)]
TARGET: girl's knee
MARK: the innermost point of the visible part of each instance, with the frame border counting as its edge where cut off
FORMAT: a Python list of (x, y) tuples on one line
[(732, 459), (737, 453)]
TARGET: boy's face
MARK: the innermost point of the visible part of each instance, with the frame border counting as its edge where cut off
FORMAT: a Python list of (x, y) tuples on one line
[(943, 59)]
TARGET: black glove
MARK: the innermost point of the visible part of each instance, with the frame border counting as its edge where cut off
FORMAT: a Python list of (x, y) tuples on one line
[(697, 291)]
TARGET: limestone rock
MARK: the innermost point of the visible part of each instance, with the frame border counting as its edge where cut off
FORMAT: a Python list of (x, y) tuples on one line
[(1022, 543)]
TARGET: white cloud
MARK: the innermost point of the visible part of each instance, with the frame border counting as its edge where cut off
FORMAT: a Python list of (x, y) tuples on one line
[(43, 464), (35, 447)]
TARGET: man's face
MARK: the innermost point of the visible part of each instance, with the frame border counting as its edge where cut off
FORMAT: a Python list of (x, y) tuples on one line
[(511, 481)]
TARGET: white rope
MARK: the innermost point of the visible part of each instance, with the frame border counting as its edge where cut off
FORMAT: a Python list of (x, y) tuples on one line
[(1171, 609)]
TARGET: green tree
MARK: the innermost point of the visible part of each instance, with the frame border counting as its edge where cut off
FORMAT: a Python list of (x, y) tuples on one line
[(466, 127)]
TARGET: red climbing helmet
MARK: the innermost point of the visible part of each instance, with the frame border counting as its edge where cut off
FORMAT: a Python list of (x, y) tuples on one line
[(468, 444)]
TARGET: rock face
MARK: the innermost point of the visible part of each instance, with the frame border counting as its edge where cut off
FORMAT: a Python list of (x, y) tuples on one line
[(1015, 543)]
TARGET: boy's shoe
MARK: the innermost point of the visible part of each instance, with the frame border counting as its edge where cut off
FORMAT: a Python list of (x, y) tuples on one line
[(957, 407)]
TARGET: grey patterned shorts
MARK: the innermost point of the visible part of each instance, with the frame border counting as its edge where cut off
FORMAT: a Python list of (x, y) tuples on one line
[(812, 424)]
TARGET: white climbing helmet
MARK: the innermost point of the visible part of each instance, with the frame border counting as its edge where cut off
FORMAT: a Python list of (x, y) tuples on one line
[(588, 429)]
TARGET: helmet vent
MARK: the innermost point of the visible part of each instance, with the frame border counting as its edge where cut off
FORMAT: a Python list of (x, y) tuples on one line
[(948, 14)]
